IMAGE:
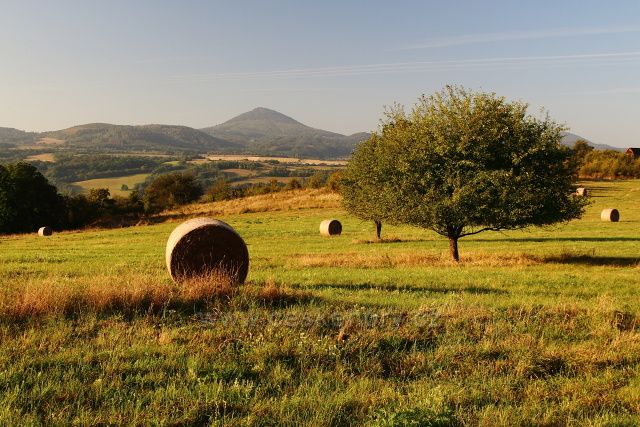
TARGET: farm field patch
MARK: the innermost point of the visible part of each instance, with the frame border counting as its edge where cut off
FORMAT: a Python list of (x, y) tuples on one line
[(113, 184)]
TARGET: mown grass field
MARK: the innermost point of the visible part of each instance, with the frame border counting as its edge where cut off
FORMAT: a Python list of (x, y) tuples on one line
[(113, 184), (537, 327)]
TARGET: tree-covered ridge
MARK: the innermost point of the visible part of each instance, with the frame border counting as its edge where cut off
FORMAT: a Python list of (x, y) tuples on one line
[(11, 136), (165, 138), (264, 131)]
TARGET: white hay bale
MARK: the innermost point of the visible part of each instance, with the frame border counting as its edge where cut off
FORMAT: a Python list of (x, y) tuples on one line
[(610, 215), (203, 246), (581, 191), (330, 227), (45, 231)]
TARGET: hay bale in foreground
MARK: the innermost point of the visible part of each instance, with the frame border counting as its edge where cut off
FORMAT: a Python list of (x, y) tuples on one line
[(204, 246), (330, 227), (611, 215), (581, 191), (45, 231)]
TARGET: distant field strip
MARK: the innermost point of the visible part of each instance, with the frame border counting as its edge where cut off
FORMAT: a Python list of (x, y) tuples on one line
[(113, 184)]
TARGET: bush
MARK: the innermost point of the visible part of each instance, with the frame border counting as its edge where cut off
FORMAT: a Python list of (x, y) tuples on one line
[(318, 179), (171, 190), (219, 190)]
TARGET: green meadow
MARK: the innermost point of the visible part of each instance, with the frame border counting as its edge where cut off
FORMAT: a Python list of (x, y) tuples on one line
[(533, 327), (114, 185)]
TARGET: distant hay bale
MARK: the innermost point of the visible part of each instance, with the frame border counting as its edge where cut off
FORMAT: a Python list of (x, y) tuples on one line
[(203, 246), (611, 215), (581, 191), (330, 227), (45, 231)]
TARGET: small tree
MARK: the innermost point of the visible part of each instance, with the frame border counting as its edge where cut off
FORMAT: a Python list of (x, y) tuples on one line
[(461, 163), (170, 190), (219, 190), (365, 181)]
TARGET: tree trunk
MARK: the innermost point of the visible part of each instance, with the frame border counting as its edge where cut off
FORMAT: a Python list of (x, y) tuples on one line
[(453, 248), (378, 229)]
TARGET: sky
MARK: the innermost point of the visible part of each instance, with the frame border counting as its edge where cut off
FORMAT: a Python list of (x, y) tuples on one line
[(333, 65)]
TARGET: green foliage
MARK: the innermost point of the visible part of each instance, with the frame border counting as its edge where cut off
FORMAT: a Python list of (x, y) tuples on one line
[(609, 164), (219, 190), (580, 150), (170, 190), (27, 200), (419, 417), (318, 179), (364, 184), (461, 163)]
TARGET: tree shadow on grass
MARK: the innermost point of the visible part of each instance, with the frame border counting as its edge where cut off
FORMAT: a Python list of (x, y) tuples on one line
[(392, 239), (560, 239), (404, 288), (610, 261)]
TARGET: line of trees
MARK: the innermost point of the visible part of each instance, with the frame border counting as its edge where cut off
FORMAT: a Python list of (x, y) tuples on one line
[(606, 164), (29, 201)]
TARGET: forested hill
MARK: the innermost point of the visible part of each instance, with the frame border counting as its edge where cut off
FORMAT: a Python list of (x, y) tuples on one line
[(260, 132), (569, 139), (268, 132), (107, 137), (11, 136)]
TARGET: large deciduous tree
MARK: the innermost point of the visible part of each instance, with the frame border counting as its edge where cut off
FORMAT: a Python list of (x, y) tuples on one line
[(460, 163), (27, 200)]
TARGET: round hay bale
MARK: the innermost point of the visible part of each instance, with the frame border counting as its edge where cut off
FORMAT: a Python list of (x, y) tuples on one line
[(581, 191), (45, 231), (330, 227), (611, 215), (203, 246)]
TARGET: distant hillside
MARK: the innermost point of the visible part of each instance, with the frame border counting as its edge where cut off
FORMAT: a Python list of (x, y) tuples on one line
[(11, 136), (267, 132), (260, 131), (106, 137), (569, 139)]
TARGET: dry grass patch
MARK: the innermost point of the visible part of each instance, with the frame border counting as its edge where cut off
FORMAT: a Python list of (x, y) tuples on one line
[(135, 294), (281, 201), (358, 260), (273, 293)]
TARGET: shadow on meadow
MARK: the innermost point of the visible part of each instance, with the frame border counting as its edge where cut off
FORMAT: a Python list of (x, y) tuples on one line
[(405, 288), (611, 261), (561, 239)]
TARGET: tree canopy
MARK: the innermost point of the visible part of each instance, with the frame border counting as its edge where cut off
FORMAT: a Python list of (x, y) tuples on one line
[(460, 163), (27, 200), (170, 190)]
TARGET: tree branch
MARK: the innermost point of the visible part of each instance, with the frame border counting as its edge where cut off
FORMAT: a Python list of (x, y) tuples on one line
[(481, 230)]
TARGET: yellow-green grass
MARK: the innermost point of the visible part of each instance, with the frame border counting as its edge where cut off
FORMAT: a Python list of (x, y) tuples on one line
[(537, 327), (44, 157), (113, 184), (266, 180)]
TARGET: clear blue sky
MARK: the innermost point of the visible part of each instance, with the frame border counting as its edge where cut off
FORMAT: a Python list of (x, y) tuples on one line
[(329, 64)]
